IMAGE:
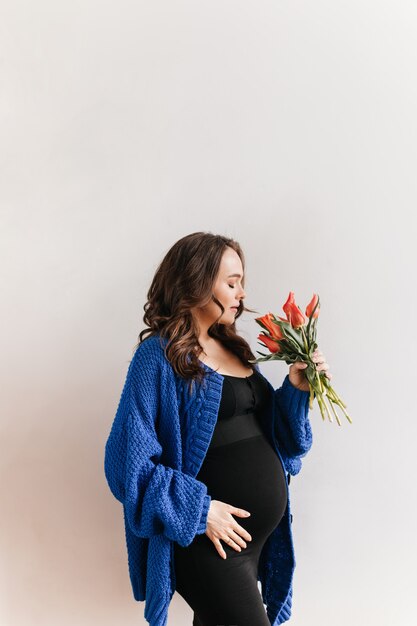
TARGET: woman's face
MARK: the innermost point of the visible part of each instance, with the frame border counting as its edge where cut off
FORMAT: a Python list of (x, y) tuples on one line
[(227, 289)]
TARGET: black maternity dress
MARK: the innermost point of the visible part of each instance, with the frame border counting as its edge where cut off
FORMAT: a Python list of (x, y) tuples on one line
[(243, 469)]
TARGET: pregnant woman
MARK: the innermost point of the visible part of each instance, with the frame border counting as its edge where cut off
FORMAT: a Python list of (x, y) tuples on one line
[(200, 446), (240, 467)]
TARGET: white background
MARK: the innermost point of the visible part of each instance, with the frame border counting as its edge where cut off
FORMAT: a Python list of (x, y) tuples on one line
[(289, 125)]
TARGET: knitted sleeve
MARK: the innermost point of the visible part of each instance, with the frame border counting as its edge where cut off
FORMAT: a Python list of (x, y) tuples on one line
[(292, 425), (157, 499)]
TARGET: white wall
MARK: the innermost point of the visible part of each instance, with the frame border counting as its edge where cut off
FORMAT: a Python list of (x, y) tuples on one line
[(290, 126)]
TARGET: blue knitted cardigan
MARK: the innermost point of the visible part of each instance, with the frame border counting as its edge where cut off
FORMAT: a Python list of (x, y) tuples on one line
[(156, 446)]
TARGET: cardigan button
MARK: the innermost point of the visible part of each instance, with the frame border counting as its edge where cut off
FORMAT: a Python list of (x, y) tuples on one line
[(291, 517), (289, 478)]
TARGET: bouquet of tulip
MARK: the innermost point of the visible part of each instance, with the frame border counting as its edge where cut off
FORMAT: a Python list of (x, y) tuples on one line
[(291, 340)]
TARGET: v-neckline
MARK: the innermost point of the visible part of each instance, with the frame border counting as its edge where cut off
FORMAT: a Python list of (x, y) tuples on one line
[(226, 375)]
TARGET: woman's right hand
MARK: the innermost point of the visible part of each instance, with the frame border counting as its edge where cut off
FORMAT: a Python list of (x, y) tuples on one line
[(222, 525)]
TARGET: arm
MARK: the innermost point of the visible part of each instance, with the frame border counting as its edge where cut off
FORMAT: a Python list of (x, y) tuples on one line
[(292, 425), (157, 499)]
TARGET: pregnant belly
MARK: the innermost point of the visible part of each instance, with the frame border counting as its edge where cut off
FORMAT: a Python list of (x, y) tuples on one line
[(248, 474)]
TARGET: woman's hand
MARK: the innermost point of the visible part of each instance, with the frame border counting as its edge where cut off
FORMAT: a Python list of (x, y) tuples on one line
[(222, 525), (297, 376)]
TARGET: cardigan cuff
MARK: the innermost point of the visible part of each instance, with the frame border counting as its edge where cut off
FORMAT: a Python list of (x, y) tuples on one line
[(203, 520), (293, 426), (294, 401), (296, 398)]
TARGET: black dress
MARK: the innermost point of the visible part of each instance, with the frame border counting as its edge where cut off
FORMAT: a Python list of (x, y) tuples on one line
[(243, 469)]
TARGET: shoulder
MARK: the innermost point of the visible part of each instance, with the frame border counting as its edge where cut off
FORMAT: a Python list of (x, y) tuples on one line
[(150, 354), (154, 344), (149, 372)]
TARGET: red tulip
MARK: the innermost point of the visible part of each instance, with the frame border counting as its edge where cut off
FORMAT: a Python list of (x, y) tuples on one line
[(311, 305), (270, 343), (273, 329), (293, 312)]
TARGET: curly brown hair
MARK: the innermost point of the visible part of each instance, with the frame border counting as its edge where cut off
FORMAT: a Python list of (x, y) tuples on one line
[(183, 280)]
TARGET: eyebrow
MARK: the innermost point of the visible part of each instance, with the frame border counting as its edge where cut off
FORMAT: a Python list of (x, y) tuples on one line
[(230, 275)]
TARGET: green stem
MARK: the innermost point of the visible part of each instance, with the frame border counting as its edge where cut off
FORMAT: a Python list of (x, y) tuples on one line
[(333, 397), (305, 342), (320, 403), (327, 408), (346, 414), (319, 379), (331, 391), (334, 412), (323, 406)]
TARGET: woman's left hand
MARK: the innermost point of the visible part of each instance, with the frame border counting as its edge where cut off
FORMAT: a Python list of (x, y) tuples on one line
[(297, 376)]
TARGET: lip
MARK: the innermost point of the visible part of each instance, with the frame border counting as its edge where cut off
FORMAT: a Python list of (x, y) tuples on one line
[(235, 308)]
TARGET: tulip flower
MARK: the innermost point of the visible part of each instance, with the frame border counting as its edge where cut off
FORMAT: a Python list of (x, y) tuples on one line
[(293, 312), (271, 344)]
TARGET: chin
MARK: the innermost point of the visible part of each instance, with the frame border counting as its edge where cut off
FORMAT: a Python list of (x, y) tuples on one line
[(229, 320)]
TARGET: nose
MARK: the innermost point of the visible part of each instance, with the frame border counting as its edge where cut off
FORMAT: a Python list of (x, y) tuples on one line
[(240, 296)]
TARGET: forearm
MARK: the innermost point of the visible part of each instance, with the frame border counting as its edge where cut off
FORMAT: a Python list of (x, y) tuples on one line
[(292, 424)]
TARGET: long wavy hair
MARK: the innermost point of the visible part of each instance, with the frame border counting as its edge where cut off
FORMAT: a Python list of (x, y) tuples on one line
[(183, 280)]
